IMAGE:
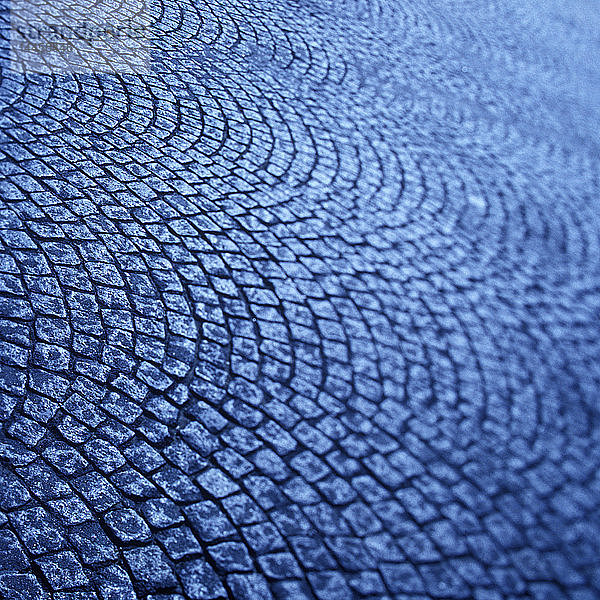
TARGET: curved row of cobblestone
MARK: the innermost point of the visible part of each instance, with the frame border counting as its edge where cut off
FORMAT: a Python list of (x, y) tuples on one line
[(309, 311)]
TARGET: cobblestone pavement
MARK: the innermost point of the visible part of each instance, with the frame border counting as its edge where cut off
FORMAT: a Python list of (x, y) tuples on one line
[(310, 311)]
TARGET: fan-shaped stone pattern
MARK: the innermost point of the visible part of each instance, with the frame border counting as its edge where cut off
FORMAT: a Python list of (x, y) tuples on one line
[(309, 311)]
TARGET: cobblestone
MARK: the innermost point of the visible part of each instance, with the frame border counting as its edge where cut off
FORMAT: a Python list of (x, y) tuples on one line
[(309, 310)]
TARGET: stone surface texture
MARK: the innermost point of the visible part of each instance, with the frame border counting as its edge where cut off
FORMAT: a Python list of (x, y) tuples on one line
[(309, 311)]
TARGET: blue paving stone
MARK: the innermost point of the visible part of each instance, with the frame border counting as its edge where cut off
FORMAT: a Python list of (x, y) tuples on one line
[(286, 590), (242, 510), (401, 578), (263, 538), (114, 582), (311, 553), (143, 456), (62, 571), (200, 581), (235, 464), (291, 521), (215, 483), (179, 542), (247, 587), (281, 565), (92, 544), (150, 569), (351, 553), (12, 556), (209, 522), (71, 510), (307, 308), (264, 491), (97, 491), (104, 455), (37, 530), (231, 557), (176, 485), (200, 439), (161, 513), (13, 493), (329, 584), (21, 587), (127, 526), (133, 485)]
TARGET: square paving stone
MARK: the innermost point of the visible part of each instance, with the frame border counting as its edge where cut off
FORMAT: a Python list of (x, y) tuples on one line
[(150, 568), (62, 571), (200, 582)]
